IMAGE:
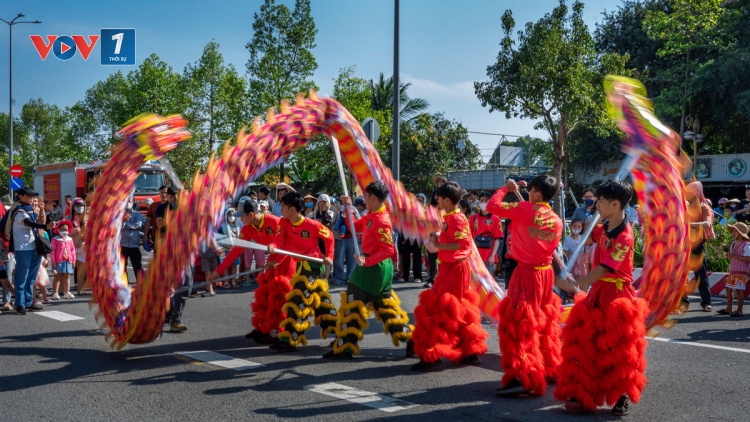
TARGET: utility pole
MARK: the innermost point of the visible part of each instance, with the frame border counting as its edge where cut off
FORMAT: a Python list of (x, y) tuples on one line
[(396, 164), (10, 86)]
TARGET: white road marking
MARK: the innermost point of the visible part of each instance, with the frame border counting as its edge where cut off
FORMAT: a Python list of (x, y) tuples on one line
[(690, 343), (221, 360), (374, 400), (59, 316)]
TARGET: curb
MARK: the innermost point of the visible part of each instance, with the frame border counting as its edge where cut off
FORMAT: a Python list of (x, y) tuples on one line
[(715, 282)]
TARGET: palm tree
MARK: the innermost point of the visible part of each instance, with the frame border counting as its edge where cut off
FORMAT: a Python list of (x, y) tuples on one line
[(382, 99)]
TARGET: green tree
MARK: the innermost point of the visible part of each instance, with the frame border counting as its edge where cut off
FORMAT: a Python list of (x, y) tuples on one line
[(154, 87), (314, 168), (46, 126), (535, 150), (281, 62), (691, 27), (432, 144), (382, 99), (622, 32), (23, 153), (551, 75), (107, 101), (218, 107), (718, 98), (81, 138)]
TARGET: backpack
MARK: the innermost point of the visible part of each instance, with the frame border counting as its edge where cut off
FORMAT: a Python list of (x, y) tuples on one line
[(7, 221)]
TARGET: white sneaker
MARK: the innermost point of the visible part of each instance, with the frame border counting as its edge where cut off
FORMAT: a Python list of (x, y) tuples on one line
[(69, 296), (55, 296)]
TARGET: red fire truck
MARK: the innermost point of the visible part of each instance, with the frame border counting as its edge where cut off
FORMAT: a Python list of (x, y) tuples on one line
[(54, 181)]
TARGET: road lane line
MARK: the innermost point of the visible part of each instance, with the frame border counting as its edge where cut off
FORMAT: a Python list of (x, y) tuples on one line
[(690, 343), (373, 400), (218, 359), (59, 316)]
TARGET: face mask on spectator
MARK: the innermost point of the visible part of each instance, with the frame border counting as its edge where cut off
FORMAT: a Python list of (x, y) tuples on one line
[(78, 209), (231, 219), (483, 206), (63, 233), (308, 205), (588, 202), (576, 231)]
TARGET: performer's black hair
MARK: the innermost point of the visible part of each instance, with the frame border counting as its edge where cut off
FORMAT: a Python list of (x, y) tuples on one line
[(294, 200), (616, 190), (546, 185), (264, 190), (379, 189), (485, 195), (450, 191)]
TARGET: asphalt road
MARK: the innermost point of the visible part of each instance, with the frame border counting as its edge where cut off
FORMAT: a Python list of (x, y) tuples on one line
[(64, 371)]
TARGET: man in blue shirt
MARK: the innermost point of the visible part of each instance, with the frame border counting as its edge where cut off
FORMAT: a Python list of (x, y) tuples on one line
[(281, 190)]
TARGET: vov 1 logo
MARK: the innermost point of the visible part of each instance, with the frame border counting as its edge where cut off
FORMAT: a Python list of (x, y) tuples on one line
[(117, 46), (64, 47)]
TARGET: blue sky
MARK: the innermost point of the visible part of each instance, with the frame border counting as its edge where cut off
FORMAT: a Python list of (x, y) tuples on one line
[(445, 46)]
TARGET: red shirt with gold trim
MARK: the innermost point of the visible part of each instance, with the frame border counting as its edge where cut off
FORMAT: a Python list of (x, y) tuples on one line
[(302, 238), (264, 234), (614, 251), (455, 230), (535, 228), (486, 225), (377, 242)]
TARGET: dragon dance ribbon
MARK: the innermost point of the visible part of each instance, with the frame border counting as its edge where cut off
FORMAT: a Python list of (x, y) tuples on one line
[(138, 317), (659, 186)]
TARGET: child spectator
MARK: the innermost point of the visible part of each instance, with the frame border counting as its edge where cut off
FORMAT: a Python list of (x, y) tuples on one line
[(739, 265), (209, 261), (42, 282), (570, 244), (63, 259), (4, 278), (232, 229)]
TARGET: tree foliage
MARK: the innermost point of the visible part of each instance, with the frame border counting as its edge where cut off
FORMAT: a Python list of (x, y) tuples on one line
[(548, 74), (382, 99), (217, 107), (690, 27), (659, 34), (430, 146), (281, 62), (535, 150)]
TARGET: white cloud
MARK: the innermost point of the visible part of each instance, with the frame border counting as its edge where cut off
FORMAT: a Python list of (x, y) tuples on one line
[(426, 88)]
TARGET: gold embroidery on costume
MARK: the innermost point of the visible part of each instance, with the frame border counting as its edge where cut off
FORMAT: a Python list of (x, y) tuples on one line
[(385, 236), (461, 234), (619, 254)]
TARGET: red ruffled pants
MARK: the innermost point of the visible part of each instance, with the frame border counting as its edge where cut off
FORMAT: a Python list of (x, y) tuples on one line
[(448, 323), (604, 347), (529, 330), (270, 296)]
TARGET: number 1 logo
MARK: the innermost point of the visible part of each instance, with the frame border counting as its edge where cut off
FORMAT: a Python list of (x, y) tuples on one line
[(118, 47)]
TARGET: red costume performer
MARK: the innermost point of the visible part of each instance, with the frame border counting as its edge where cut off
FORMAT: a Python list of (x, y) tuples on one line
[(273, 284), (309, 294), (603, 339), (448, 323), (529, 333), (483, 225), (371, 286)]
